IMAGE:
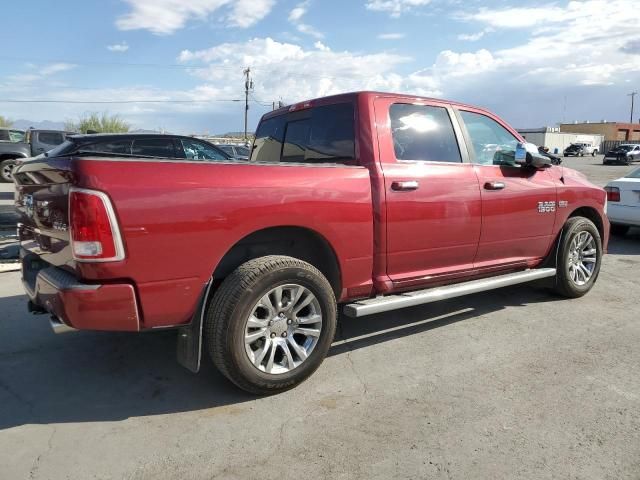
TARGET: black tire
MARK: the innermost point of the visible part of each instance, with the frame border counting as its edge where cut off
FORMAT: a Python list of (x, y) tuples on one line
[(564, 285), (5, 167), (231, 306), (619, 230), (594, 153)]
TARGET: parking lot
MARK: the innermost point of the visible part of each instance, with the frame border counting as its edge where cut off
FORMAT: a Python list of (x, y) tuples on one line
[(514, 383)]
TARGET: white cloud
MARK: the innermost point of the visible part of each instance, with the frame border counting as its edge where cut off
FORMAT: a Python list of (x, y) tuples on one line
[(43, 72), (295, 18), (395, 7), (290, 72), (118, 47), (474, 37), (164, 17), (518, 17), (391, 36)]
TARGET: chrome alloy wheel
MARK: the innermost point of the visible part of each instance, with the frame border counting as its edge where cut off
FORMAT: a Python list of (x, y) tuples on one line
[(582, 258), (283, 329)]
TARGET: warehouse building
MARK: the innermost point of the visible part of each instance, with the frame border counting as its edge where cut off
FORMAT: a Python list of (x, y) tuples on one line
[(556, 141), (611, 131)]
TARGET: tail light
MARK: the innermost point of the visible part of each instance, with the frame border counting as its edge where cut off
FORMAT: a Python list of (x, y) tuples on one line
[(613, 194), (94, 232)]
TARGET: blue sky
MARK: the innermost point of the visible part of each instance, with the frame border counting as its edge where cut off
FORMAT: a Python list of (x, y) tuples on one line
[(534, 63)]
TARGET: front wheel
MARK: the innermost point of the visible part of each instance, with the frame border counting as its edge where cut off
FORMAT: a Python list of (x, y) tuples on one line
[(579, 258), (6, 170), (270, 324)]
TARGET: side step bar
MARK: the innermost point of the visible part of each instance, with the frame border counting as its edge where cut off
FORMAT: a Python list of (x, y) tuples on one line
[(381, 304)]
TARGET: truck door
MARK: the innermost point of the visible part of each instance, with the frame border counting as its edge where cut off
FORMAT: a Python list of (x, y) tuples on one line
[(518, 203), (433, 209)]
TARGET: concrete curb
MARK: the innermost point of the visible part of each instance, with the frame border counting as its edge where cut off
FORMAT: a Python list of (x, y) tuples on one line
[(9, 267)]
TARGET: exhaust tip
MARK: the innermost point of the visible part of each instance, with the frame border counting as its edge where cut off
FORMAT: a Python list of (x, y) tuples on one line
[(58, 326)]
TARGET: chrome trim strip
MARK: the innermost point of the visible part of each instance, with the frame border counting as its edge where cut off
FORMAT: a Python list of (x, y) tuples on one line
[(420, 297), (59, 327)]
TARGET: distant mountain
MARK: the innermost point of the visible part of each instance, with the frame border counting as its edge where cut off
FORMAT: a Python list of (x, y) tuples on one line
[(44, 124)]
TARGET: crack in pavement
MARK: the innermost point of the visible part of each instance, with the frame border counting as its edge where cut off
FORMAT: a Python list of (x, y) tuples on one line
[(365, 389), (36, 463)]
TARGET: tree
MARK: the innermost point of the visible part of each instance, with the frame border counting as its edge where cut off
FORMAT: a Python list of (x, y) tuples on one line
[(101, 123), (5, 122)]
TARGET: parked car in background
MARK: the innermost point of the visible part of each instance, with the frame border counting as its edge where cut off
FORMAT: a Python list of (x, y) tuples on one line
[(237, 151), (623, 202), (11, 135), (34, 143), (140, 145), (580, 150), (625, 153), (555, 159), (376, 201)]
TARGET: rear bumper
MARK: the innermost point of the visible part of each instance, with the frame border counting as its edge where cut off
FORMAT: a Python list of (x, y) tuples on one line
[(111, 307)]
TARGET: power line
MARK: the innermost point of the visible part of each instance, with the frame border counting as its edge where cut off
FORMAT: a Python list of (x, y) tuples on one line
[(116, 101), (178, 66)]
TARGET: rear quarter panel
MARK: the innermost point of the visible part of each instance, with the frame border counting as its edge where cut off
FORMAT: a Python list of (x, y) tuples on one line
[(178, 219)]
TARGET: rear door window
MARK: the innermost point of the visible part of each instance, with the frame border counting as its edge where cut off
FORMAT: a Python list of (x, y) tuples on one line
[(423, 133), (319, 135), (154, 147)]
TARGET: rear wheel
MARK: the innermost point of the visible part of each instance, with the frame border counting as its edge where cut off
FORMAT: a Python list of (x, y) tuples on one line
[(6, 170), (270, 324), (579, 259), (619, 230)]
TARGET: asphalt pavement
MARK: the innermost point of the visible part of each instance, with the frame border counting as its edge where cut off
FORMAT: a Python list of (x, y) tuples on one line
[(514, 383)]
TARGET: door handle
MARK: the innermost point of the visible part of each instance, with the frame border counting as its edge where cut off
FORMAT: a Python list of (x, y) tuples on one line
[(405, 186), (494, 186)]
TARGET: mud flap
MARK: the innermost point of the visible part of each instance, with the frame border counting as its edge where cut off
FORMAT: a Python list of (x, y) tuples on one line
[(189, 348)]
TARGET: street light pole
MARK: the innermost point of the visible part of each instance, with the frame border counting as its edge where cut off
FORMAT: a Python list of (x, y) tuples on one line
[(633, 96), (248, 85)]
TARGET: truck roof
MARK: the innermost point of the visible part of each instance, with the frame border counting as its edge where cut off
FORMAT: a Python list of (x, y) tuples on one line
[(350, 96)]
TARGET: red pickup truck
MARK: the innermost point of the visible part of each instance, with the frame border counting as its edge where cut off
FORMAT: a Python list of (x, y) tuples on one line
[(371, 201)]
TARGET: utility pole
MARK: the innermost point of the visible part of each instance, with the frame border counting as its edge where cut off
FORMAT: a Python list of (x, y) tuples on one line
[(633, 96), (248, 85)]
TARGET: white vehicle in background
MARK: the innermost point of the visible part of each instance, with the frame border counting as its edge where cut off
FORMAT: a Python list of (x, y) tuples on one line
[(623, 202)]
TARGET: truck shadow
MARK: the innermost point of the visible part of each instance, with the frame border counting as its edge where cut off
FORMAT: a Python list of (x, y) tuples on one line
[(626, 245), (94, 377)]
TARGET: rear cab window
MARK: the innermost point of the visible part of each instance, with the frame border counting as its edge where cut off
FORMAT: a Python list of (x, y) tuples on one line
[(50, 138), (154, 147), (319, 135), (122, 147)]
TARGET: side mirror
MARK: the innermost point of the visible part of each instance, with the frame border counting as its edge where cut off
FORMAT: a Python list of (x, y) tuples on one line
[(527, 155)]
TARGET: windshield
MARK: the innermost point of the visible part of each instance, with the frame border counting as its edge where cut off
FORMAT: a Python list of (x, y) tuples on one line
[(634, 174), (625, 148)]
